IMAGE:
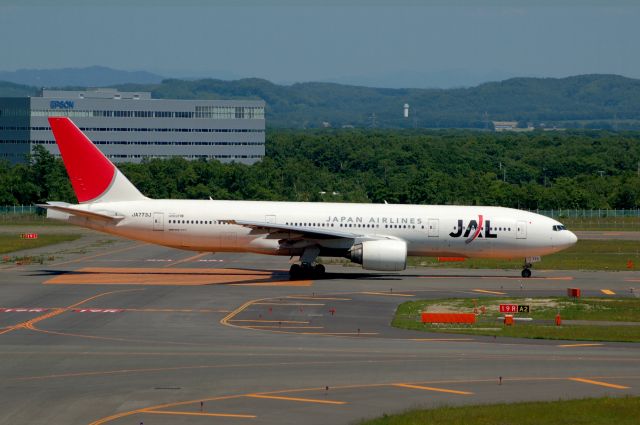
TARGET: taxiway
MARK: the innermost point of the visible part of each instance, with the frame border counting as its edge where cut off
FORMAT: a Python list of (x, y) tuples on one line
[(117, 332)]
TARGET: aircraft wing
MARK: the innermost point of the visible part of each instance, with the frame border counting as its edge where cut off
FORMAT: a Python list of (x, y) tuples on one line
[(299, 231), (96, 215)]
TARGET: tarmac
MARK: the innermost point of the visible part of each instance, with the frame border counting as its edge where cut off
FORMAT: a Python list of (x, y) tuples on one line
[(111, 331)]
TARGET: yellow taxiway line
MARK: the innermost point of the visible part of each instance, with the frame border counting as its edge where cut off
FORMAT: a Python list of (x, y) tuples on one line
[(291, 304), (529, 278), (388, 294), (441, 339), (220, 415), (283, 327), (602, 384), (292, 297), (607, 292), (484, 291), (581, 345), (339, 333), (298, 322), (225, 320), (441, 390), (271, 394), (303, 400), (188, 259)]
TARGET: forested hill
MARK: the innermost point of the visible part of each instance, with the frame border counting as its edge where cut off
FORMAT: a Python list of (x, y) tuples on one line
[(8, 89), (585, 101), (592, 101)]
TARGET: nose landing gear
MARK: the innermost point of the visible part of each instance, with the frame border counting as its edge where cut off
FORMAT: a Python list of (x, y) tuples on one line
[(526, 270)]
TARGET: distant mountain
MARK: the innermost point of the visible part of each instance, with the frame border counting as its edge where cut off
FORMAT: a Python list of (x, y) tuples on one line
[(451, 78), (584, 101), (93, 76)]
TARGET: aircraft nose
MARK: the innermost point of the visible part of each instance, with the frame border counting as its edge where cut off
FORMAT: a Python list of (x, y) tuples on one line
[(571, 238)]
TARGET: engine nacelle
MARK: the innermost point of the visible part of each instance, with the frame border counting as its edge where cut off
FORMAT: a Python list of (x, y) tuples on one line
[(383, 255)]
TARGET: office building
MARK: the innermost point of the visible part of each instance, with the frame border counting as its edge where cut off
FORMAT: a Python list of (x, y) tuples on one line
[(131, 126)]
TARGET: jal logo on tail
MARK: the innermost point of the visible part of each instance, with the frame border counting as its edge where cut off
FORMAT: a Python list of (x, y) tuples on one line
[(475, 229)]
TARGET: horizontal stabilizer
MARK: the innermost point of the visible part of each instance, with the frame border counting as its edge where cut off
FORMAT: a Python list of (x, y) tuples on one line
[(102, 215)]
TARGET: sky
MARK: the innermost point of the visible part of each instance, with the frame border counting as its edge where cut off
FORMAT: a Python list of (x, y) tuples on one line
[(402, 43)]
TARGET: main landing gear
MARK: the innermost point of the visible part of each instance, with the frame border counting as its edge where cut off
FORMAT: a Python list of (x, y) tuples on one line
[(307, 269), (526, 270)]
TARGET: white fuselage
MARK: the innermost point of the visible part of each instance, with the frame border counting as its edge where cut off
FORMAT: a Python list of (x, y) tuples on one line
[(451, 231)]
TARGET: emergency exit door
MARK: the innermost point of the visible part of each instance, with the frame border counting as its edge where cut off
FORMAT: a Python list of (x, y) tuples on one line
[(521, 230), (433, 229), (158, 221)]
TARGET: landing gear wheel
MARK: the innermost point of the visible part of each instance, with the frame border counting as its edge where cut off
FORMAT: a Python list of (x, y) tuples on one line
[(305, 271), (526, 273), (295, 272)]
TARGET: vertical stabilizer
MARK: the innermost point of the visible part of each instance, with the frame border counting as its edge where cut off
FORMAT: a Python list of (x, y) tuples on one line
[(93, 177)]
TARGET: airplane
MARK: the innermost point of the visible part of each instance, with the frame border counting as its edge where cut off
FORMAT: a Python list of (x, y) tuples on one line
[(377, 236)]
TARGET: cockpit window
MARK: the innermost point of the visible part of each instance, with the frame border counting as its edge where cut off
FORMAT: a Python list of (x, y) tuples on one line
[(558, 227)]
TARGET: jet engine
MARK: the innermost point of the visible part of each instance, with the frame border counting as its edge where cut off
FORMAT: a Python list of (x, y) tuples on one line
[(383, 255)]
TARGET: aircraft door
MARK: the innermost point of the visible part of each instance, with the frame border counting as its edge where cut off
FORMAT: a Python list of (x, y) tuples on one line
[(521, 230), (270, 219), (434, 227), (158, 221)]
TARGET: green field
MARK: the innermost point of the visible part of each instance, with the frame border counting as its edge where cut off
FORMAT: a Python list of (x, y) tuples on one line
[(585, 255), (20, 219), (544, 309), (602, 223), (592, 411), (12, 242)]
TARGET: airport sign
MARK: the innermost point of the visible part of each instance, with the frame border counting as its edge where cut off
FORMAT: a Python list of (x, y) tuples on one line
[(514, 308)]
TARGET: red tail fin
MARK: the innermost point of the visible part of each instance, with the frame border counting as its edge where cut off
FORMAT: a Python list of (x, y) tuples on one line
[(92, 174)]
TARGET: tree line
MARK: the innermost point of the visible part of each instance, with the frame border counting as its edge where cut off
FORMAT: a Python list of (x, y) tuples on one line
[(538, 170), (583, 101)]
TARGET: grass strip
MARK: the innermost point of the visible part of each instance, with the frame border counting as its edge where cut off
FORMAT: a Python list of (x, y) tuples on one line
[(591, 411), (585, 255), (602, 223), (13, 242), (592, 309)]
